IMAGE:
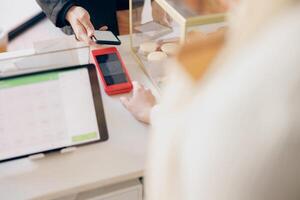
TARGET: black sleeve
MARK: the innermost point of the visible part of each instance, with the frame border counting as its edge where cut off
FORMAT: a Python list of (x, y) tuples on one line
[(56, 10), (124, 4)]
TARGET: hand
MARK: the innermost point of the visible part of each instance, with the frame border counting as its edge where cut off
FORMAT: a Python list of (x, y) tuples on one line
[(79, 19), (94, 45), (140, 104)]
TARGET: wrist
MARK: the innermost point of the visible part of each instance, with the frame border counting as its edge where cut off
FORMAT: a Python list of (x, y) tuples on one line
[(146, 115), (70, 13), (153, 114)]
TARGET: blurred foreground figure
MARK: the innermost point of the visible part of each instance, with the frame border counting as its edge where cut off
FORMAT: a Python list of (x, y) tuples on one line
[(228, 124)]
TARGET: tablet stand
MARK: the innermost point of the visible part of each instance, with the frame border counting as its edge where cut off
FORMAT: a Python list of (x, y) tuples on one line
[(68, 150), (37, 156), (42, 155)]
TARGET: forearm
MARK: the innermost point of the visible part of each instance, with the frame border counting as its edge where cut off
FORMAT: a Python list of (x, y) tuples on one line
[(56, 10)]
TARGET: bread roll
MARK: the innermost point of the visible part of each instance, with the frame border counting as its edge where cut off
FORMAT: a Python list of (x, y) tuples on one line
[(157, 56), (148, 47), (170, 48)]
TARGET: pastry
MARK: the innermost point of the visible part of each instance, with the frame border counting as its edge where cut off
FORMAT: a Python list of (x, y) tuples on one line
[(170, 48), (157, 56), (148, 47)]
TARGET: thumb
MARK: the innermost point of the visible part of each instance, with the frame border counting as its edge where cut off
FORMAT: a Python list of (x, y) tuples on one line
[(103, 28), (125, 101), (87, 25)]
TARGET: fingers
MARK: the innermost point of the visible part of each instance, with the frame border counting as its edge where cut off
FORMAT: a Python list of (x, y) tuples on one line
[(81, 33), (125, 102), (79, 19), (103, 28), (137, 87), (84, 18), (88, 26), (140, 103)]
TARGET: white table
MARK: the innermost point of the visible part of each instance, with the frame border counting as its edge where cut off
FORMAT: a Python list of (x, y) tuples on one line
[(119, 159)]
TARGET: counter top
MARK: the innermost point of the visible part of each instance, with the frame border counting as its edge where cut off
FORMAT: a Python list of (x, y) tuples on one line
[(119, 159)]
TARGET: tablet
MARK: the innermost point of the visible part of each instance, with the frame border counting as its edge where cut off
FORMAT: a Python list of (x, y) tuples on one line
[(49, 111)]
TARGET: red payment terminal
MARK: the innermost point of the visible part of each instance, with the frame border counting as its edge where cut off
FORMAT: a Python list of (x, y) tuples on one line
[(113, 72)]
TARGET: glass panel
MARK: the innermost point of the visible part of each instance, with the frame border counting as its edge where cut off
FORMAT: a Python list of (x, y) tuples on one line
[(205, 29), (159, 26), (155, 37)]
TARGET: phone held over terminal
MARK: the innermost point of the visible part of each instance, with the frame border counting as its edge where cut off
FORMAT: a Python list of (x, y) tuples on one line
[(106, 37), (113, 72)]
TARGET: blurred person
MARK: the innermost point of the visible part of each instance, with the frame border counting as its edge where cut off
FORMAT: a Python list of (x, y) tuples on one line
[(228, 123)]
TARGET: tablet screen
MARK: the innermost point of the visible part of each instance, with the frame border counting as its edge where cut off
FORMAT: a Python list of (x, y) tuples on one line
[(46, 111)]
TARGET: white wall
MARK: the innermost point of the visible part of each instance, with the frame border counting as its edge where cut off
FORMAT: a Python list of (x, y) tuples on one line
[(14, 12)]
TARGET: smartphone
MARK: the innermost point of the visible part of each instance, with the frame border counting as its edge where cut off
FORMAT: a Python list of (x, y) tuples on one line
[(113, 72), (106, 37)]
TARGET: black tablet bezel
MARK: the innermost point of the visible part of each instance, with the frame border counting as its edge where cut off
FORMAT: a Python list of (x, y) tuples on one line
[(98, 104)]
